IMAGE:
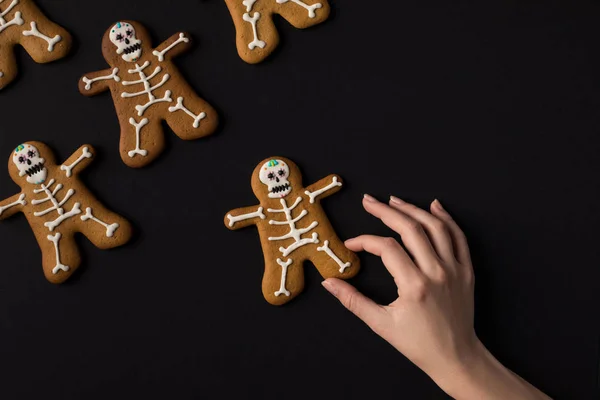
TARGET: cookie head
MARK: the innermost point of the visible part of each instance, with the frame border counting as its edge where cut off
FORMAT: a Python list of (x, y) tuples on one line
[(29, 163), (123, 37), (274, 175)]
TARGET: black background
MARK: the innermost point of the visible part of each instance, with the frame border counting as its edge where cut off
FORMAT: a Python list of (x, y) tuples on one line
[(491, 106)]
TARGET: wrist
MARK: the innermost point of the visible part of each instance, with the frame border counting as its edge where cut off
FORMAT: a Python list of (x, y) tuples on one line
[(466, 374)]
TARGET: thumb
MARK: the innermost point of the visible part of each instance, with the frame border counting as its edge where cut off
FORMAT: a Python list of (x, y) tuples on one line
[(360, 305)]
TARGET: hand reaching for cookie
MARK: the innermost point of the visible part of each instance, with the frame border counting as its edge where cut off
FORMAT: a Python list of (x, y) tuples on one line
[(431, 322)]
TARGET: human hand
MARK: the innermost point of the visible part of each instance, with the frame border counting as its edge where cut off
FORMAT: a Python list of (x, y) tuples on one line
[(432, 321)]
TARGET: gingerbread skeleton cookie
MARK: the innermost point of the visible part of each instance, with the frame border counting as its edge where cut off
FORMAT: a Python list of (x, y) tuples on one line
[(147, 89), (257, 36), (22, 22), (57, 205), (293, 228)]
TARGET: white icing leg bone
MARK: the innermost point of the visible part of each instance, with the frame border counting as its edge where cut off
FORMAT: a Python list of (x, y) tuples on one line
[(59, 267), (313, 195), (76, 210), (34, 32), (258, 213), (252, 20), (69, 168), (161, 54), (17, 20), (110, 229), (249, 4), (88, 82), (138, 129), (180, 106), (335, 258), (21, 201), (284, 269), (311, 9)]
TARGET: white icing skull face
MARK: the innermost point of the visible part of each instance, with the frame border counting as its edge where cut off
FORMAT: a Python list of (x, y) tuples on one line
[(28, 161), (274, 174), (123, 36)]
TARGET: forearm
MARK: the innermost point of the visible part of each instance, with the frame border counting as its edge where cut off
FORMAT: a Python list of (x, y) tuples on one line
[(484, 377)]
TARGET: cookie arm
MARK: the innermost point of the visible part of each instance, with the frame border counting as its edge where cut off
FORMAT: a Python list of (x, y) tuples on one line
[(78, 161), (97, 82), (324, 188), (173, 46), (12, 205), (243, 217)]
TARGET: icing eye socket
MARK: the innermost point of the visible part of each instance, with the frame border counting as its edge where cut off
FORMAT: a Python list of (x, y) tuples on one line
[(31, 154), (22, 159), (281, 172), (271, 176), (120, 37), (129, 33)]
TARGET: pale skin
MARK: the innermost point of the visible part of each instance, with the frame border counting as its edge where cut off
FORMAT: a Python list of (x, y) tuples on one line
[(431, 322)]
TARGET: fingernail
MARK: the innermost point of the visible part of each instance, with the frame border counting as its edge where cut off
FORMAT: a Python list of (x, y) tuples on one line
[(370, 198), (330, 287), (397, 201), (349, 240)]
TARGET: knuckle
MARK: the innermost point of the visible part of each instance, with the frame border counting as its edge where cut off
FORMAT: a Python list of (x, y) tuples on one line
[(441, 274), (470, 277), (419, 290), (438, 226), (413, 226), (389, 242)]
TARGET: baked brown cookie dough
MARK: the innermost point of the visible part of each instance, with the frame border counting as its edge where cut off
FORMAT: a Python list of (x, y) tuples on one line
[(147, 89), (57, 205), (256, 34), (22, 23), (293, 228)]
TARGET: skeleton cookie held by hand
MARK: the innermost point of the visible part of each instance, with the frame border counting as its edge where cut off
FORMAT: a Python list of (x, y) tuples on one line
[(293, 228), (147, 89), (257, 36), (57, 205), (22, 23)]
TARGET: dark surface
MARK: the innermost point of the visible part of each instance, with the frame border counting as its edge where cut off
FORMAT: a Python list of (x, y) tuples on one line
[(494, 108)]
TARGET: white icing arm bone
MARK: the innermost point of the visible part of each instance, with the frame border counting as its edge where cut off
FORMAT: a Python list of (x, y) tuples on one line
[(243, 217), (88, 82), (69, 168), (161, 54), (35, 32), (313, 195), (20, 201)]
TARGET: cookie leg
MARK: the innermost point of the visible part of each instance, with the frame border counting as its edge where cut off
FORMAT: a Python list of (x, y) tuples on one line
[(8, 65), (44, 40), (334, 260), (60, 255), (105, 229), (142, 140), (190, 117), (283, 280)]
